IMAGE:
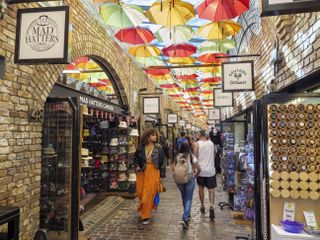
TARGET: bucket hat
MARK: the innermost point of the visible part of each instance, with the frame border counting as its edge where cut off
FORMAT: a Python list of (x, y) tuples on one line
[(132, 177), (122, 177), (123, 124), (114, 142), (134, 132)]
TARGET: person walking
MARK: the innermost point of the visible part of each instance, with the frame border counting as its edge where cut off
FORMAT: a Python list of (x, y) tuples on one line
[(187, 189), (204, 151), (150, 167), (180, 140)]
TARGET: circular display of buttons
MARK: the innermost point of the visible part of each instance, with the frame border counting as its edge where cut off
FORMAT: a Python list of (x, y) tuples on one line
[(283, 124), (311, 150), (274, 149), (291, 107), (312, 168), (301, 124), (282, 107), (301, 141), (292, 133), (284, 158), (318, 107), (282, 116), (312, 159), (302, 159), (284, 167), (292, 124), (300, 108), (311, 133), (311, 142), (310, 116), (310, 108), (273, 116), (292, 116), (302, 168), (273, 124), (283, 132), (302, 149), (283, 149), (301, 132), (292, 150), (301, 115), (293, 141), (273, 108), (275, 166), (284, 141), (293, 167), (293, 158), (274, 158), (310, 124), (274, 132), (274, 141)]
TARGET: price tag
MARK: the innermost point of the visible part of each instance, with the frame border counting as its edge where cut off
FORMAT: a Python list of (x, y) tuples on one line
[(288, 211), (310, 219)]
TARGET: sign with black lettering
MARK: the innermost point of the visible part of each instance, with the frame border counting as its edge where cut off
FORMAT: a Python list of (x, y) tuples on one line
[(188, 126), (237, 76), (283, 7), (172, 118), (182, 123), (214, 114), (42, 35), (222, 99), (151, 105)]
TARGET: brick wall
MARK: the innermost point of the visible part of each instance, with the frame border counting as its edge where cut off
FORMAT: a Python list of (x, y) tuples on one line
[(299, 45), (24, 86)]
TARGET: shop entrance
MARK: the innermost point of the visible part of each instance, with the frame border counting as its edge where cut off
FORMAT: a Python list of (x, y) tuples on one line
[(88, 143)]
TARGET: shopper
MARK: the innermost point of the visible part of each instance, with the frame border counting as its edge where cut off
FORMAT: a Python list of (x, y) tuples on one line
[(187, 189), (165, 147), (150, 166), (180, 140), (204, 151)]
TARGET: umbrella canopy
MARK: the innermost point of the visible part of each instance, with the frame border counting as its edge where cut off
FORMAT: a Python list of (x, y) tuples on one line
[(212, 70), (216, 46), (217, 10), (135, 35), (122, 15), (211, 80), (176, 34), (144, 51), (186, 77), (183, 71), (157, 71), (181, 60), (179, 50), (170, 13), (219, 30), (211, 58), (173, 85), (149, 61)]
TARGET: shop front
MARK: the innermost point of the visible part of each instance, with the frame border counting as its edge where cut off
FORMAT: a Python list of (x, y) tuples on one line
[(88, 143)]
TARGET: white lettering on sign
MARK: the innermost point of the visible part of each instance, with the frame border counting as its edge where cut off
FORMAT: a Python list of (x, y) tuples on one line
[(96, 103)]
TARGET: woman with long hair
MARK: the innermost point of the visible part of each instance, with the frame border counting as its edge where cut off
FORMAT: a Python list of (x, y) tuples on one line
[(187, 189), (150, 167)]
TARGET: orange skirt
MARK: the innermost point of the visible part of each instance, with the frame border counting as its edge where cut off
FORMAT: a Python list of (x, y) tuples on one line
[(147, 187)]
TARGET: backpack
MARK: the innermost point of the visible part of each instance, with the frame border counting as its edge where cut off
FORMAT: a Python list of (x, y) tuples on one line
[(182, 172), (180, 141)]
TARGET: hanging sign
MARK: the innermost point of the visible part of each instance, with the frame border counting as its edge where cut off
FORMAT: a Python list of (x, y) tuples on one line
[(182, 123), (214, 114), (172, 118), (151, 105), (42, 35), (188, 126), (27, 1), (193, 128), (222, 99), (282, 7), (237, 76)]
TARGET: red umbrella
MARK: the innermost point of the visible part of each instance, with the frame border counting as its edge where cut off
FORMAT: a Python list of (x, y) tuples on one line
[(194, 99), (211, 80), (207, 92), (217, 10), (191, 89), (157, 71), (81, 60), (186, 77), (175, 95), (172, 85), (98, 84), (179, 50), (135, 35), (71, 67), (211, 57)]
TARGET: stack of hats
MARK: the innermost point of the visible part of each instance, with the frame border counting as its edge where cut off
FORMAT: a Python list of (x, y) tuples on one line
[(123, 124), (49, 151), (85, 157), (113, 181), (134, 133), (122, 167)]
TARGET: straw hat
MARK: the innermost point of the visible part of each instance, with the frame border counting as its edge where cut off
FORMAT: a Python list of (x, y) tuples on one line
[(114, 142), (123, 124), (134, 132)]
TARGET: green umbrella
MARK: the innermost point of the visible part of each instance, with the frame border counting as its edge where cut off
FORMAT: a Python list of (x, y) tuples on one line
[(216, 46), (149, 61), (177, 34), (122, 15)]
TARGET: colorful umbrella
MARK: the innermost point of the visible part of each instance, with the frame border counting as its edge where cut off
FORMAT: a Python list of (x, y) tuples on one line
[(213, 69), (212, 58), (183, 71), (157, 71), (179, 50), (144, 51), (219, 30), (149, 61), (176, 34), (170, 13), (217, 10), (194, 89), (185, 77), (161, 77), (216, 46), (135, 35), (122, 15), (181, 60), (211, 80), (166, 86)]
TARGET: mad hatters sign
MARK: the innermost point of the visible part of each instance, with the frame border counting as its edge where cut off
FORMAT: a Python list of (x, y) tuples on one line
[(237, 76), (42, 35), (282, 7), (151, 105), (222, 99)]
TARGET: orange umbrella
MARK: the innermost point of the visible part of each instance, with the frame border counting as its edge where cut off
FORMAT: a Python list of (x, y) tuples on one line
[(212, 58)]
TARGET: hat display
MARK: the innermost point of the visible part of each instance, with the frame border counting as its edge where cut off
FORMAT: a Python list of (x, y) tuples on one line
[(85, 110), (49, 151), (84, 152), (132, 177), (133, 122), (122, 177), (122, 167), (123, 124), (114, 142), (104, 158), (134, 132), (86, 133), (122, 150)]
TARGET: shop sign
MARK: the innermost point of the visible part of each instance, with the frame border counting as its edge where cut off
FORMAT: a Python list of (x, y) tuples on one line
[(237, 76), (182, 123), (27, 1), (193, 128), (94, 103), (188, 126), (283, 7), (222, 99), (42, 35), (214, 114), (151, 105), (172, 118)]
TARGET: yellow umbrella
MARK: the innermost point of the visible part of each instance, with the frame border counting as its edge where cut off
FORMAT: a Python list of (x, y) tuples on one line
[(144, 51), (92, 66), (161, 77), (170, 13), (188, 81), (181, 60), (219, 30), (213, 69)]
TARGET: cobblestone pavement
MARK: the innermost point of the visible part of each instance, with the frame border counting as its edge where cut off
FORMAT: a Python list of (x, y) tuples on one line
[(124, 223)]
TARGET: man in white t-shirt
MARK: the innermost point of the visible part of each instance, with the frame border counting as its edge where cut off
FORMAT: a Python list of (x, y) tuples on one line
[(204, 151)]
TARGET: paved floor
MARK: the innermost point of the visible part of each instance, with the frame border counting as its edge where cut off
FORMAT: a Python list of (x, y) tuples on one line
[(124, 223)]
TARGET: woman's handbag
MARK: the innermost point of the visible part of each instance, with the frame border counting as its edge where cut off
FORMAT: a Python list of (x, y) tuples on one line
[(161, 187)]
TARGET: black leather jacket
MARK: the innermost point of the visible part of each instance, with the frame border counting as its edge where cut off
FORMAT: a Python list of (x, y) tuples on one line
[(157, 159)]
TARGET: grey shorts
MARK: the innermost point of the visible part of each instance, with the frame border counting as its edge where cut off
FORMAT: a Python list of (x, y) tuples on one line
[(208, 182)]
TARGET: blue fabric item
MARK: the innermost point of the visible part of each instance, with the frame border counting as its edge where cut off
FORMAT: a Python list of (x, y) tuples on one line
[(186, 191), (156, 200), (180, 141)]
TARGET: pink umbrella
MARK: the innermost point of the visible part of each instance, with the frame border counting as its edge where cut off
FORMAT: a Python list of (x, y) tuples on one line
[(179, 50)]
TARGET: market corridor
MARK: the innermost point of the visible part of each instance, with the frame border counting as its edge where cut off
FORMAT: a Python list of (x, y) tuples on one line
[(124, 223)]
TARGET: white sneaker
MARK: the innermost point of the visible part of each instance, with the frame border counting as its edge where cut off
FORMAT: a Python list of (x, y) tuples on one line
[(145, 221)]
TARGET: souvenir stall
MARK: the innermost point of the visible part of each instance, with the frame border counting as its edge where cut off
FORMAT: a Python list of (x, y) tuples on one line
[(289, 166)]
